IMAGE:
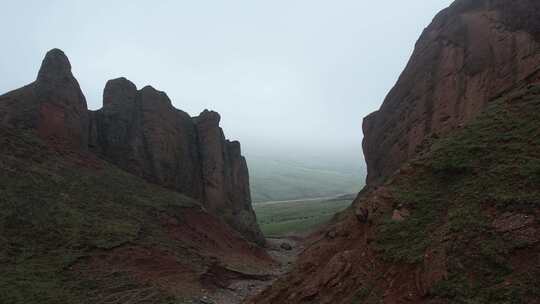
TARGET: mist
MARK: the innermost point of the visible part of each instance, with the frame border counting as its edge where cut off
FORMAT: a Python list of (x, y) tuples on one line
[(289, 78)]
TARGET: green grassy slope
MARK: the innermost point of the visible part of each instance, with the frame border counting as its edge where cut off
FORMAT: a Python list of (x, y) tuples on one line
[(58, 209), (54, 212), (275, 179), (476, 196), (279, 219)]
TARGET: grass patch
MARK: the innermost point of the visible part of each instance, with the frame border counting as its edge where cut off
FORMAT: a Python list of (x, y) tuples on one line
[(367, 295), (279, 179), (279, 219)]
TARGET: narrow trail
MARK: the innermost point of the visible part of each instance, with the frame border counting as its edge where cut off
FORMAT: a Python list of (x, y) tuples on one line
[(239, 290)]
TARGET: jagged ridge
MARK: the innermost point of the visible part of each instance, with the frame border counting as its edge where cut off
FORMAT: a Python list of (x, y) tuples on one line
[(141, 132)]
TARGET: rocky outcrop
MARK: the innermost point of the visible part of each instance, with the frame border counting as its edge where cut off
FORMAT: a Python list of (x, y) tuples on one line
[(471, 53), (53, 105), (141, 132), (458, 224), (450, 189), (225, 177)]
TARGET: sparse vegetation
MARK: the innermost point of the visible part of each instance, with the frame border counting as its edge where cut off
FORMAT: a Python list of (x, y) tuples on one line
[(367, 295), (54, 212), (492, 164)]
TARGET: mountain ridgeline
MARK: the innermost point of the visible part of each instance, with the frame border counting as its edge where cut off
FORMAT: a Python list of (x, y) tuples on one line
[(141, 132)]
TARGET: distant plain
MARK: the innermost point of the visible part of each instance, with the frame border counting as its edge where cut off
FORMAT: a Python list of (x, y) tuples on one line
[(278, 219), (281, 179)]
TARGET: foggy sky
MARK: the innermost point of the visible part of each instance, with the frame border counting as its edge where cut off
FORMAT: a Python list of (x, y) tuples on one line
[(285, 75)]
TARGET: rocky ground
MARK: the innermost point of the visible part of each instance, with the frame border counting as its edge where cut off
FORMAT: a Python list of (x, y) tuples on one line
[(284, 250)]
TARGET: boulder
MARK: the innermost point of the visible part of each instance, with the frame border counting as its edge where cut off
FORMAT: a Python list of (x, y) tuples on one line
[(286, 246)]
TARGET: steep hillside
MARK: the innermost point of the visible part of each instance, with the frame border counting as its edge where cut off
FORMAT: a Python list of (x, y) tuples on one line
[(458, 224), (451, 213), (141, 132), (472, 52), (76, 229)]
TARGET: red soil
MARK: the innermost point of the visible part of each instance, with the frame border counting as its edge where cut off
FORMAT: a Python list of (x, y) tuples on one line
[(209, 236)]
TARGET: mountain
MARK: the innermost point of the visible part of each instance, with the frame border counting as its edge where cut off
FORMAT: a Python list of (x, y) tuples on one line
[(53, 105), (77, 229), (141, 132), (135, 202), (451, 212), (472, 52)]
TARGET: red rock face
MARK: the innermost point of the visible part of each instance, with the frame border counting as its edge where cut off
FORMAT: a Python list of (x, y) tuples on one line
[(54, 104), (212, 142), (225, 177), (140, 131), (52, 121), (471, 53), (474, 51)]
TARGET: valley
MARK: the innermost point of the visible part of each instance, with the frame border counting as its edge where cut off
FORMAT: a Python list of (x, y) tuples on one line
[(139, 202), (297, 217), (284, 178)]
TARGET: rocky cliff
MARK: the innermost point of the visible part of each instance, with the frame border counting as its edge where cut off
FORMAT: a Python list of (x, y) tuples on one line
[(460, 223), (452, 210), (225, 177), (141, 132), (473, 51)]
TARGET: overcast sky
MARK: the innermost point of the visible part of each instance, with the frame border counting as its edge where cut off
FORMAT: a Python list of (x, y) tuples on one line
[(284, 74)]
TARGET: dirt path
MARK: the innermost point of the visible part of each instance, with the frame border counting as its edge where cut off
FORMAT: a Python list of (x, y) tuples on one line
[(239, 290), (302, 200)]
